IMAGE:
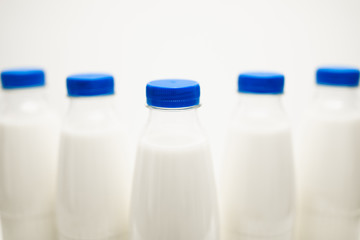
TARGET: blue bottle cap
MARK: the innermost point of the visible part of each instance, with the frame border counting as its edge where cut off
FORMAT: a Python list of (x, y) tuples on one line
[(173, 93), (90, 84), (338, 76), (261, 83), (22, 78)]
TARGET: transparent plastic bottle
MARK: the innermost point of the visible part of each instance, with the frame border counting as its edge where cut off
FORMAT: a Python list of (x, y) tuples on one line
[(257, 175), (29, 136), (328, 159), (174, 194), (94, 175)]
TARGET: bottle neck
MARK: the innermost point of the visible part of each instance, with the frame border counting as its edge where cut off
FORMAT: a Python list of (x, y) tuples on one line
[(24, 102), (346, 95), (173, 122), (176, 116), (91, 104), (258, 111), (34, 94), (91, 114), (173, 126), (259, 102)]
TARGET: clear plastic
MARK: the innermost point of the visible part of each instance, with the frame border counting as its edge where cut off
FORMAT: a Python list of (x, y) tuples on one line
[(257, 176), (174, 194), (94, 173), (29, 136), (328, 166)]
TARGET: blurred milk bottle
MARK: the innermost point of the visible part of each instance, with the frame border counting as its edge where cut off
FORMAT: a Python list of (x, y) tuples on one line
[(329, 159), (29, 136), (94, 175), (257, 176), (174, 193)]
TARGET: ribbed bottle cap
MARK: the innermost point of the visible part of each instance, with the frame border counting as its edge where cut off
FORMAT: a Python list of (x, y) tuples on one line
[(91, 84), (338, 76), (22, 78), (261, 83), (173, 93)]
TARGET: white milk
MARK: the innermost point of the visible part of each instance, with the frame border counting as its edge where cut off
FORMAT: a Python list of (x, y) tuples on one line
[(258, 185), (29, 136), (93, 194), (174, 195), (329, 167)]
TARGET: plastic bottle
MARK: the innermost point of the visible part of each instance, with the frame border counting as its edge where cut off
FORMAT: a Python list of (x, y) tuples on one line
[(174, 194), (94, 174), (257, 174), (328, 163), (29, 136)]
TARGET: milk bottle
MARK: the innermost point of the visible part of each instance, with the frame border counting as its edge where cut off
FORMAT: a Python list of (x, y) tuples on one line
[(29, 133), (174, 191), (257, 175), (329, 159), (94, 175)]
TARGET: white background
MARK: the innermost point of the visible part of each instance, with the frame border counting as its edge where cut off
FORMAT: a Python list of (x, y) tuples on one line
[(207, 41)]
